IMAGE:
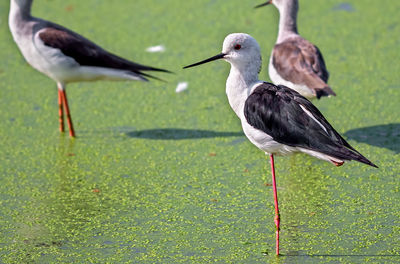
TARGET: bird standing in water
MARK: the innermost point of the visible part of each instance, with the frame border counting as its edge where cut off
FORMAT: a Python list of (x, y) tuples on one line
[(66, 56), (277, 119), (295, 62)]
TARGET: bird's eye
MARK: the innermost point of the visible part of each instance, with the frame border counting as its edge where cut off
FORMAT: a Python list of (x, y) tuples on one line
[(237, 47)]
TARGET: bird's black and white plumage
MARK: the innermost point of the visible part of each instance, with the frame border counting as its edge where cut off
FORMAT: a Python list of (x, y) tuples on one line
[(292, 120), (88, 54), (276, 119), (66, 56), (295, 62)]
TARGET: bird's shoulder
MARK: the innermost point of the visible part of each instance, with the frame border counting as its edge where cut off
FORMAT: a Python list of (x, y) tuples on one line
[(265, 106), (295, 47), (298, 56), (269, 91), (57, 36)]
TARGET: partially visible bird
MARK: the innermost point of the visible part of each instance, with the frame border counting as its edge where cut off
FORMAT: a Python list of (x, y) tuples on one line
[(277, 119), (295, 62), (66, 56)]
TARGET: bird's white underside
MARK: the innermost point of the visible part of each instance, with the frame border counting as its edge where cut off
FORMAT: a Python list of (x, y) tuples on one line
[(265, 142)]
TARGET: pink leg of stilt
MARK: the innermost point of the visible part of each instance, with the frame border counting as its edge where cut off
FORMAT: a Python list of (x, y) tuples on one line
[(67, 112), (277, 216), (60, 111)]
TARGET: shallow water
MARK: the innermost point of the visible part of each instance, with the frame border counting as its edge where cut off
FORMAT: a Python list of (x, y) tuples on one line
[(157, 176)]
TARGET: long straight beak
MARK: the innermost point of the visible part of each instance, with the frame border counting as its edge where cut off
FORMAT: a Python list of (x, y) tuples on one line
[(217, 57), (264, 4)]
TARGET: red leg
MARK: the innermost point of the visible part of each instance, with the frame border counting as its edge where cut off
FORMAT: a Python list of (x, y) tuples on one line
[(277, 216), (60, 110), (67, 112)]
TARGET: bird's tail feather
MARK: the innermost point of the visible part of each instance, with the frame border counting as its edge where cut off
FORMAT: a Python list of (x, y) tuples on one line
[(347, 154), (326, 91)]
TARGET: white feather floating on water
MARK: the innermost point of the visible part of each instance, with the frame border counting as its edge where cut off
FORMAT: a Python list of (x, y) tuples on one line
[(182, 86), (153, 49)]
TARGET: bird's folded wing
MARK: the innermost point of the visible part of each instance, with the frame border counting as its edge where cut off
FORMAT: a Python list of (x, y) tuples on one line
[(300, 62), (291, 119), (85, 52)]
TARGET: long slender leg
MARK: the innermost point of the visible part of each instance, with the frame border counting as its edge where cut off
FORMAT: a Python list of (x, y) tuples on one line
[(67, 112), (60, 111), (277, 216)]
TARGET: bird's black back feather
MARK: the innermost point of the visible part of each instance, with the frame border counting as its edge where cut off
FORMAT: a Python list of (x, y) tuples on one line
[(87, 53), (277, 111)]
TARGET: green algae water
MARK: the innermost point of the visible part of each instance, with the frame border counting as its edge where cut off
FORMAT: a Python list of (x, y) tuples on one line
[(156, 176)]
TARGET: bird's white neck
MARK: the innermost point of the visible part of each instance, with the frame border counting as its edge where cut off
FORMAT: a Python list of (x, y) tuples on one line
[(239, 84), (20, 10), (287, 21)]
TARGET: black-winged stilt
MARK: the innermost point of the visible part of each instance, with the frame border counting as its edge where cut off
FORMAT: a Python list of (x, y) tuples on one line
[(66, 56), (296, 62), (277, 119)]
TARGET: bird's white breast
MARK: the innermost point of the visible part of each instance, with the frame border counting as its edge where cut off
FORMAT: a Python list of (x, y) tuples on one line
[(50, 61)]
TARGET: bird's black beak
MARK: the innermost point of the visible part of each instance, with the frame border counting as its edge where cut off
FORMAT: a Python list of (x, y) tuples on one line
[(217, 57), (264, 4)]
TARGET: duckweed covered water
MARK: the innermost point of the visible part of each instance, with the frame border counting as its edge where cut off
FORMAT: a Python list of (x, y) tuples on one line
[(160, 177)]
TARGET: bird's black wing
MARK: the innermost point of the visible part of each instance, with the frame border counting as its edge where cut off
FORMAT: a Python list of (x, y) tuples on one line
[(87, 53), (291, 119)]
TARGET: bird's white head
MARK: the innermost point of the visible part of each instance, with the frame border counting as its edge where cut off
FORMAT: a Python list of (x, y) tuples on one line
[(243, 53), (239, 49)]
